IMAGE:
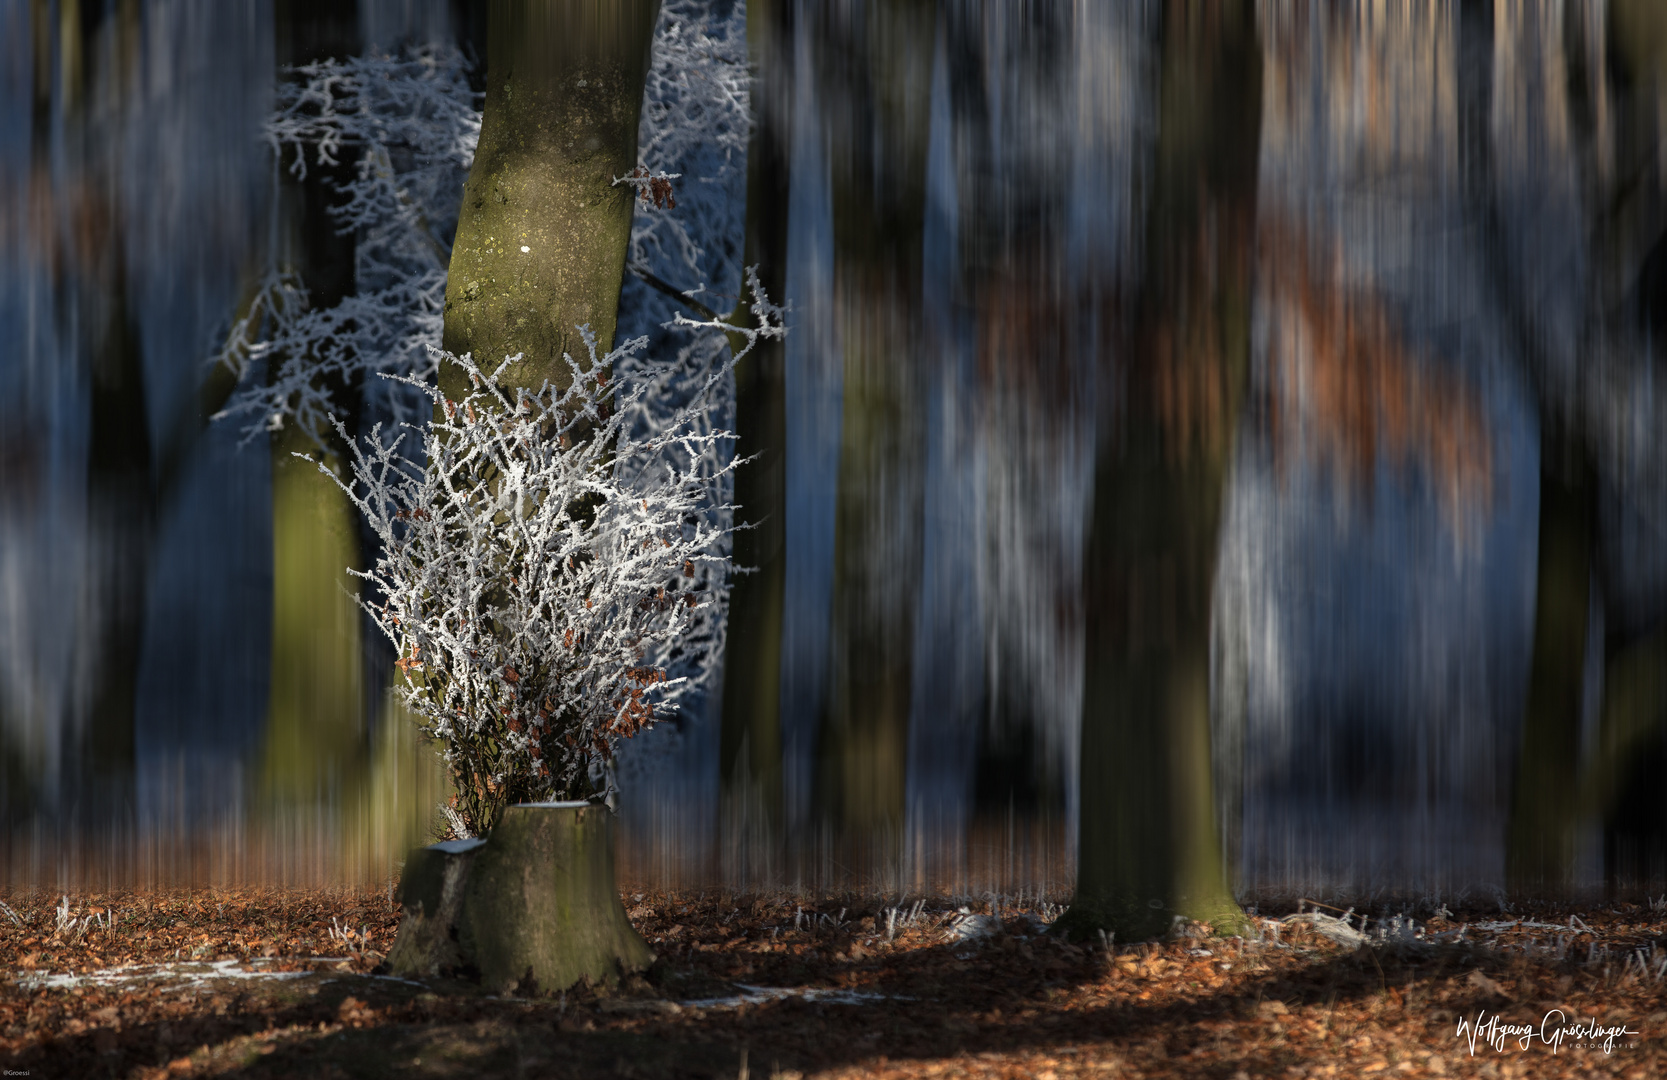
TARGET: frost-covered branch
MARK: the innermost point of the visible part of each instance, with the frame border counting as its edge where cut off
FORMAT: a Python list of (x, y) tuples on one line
[(479, 593), (770, 320), (543, 562), (695, 121), (413, 123)]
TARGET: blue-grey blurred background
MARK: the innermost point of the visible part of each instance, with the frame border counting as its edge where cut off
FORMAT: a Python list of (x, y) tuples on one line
[(1378, 288)]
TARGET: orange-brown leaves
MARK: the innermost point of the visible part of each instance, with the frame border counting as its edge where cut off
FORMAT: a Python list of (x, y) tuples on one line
[(655, 191), (1341, 372), (634, 712)]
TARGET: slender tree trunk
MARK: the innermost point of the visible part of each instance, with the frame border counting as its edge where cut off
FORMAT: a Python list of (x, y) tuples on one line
[(542, 235), (1623, 784), (90, 281), (122, 511), (1149, 849), (750, 740), (875, 67), (1539, 854), (315, 750), (1562, 781)]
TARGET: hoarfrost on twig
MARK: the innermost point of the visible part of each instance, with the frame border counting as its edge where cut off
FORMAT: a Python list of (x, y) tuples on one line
[(413, 123), (536, 577)]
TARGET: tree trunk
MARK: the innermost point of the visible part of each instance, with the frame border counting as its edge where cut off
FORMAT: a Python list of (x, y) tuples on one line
[(540, 249), (750, 740), (1539, 853), (1618, 782), (531, 910), (314, 754), (1630, 756), (1621, 783), (315, 750), (431, 898), (542, 235), (1149, 849), (876, 70)]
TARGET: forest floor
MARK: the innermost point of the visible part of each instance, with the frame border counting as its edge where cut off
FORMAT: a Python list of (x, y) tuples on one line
[(269, 983)]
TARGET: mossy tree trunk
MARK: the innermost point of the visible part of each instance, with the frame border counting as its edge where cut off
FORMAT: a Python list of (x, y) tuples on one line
[(543, 231), (1149, 848), (750, 739), (316, 749), (875, 74), (315, 753)]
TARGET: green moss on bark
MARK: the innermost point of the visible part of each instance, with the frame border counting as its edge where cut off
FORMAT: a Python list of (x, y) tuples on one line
[(542, 235), (540, 911), (532, 909)]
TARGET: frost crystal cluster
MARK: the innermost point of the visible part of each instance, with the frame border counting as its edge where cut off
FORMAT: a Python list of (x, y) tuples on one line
[(685, 255), (412, 123), (534, 588), (695, 121)]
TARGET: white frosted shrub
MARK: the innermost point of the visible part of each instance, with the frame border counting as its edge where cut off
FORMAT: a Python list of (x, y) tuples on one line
[(532, 584)]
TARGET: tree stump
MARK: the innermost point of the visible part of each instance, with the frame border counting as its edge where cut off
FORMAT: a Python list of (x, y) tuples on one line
[(431, 892), (533, 908)]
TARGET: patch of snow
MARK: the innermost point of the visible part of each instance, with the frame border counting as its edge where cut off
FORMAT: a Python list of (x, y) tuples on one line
[(186, 974), (1337, 930), (756, 995), (966, 926), (457, 847)]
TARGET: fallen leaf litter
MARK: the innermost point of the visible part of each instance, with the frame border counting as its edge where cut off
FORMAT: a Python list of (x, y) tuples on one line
[(275, 983)]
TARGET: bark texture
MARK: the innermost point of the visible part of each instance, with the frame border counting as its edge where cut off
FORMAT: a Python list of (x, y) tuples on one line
[(533, 909), (540, 251), (431, 896), (542, 235)]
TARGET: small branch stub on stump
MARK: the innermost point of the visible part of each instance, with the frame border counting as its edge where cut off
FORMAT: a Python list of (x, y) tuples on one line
[(431, 892), (532, 909)]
